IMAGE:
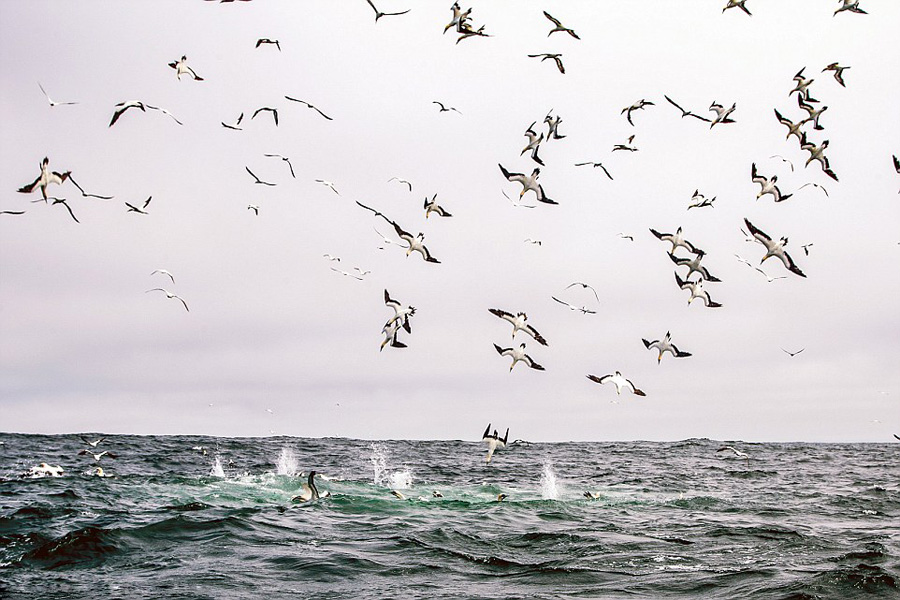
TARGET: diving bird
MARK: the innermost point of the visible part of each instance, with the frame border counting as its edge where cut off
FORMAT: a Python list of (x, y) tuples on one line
[(813, 112), (443, 108), (170, 296), (529, 182), (665, 345), (619, 381), (677, 240), (698, 200), (181, 68), (737, 4), (793, 354), (557, 58), (559, 27), (402, 181), (851, 5), (838, 71), (92, 444), (97, 455), (236, 125), (685, 113), (694, 266), (697, 291), (269, 109), (518, 354), (767, 185), (735, 452), (773, 248), (66, 204), (802, 87), (582, 309), (390, 331), (534, 142), (817, 153), (793, 128), (519, 323), (784, 160), (379, 14), (328, 184), (346, 274), (164, 272), (814, 185), (309, 106), (722, 113), (143, 208), (401, 313), (553, 126), (431, 206), (262, 41), (595, 165), (45, 179), (285, 159), (584, 286), (627, 146), (257, 179), (53, 102), (639, 105), (493, 441)]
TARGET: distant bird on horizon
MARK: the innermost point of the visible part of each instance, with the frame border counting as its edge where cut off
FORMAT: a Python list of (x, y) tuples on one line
[(309, 106), (181, 68), (557, 58), (53, 102), (92, 444), (559, 27), (518, 355), (619, 381), (170, 296)]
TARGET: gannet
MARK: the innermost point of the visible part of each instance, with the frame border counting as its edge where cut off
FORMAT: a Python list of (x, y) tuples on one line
[(817, 153), (557, 58), (722, 113), (697, 291), (310, 106), (161, 272), (181, 68), (379, 14), (53, 102), (528, 182), (773, 248), (665, 345), (737, 4), (767, 185), (143, 208), (676, 239), (838, 72), (553, 126), (813, 112), (274, 112), (518, 354), (401, 313), (639, 105), (793, 128), (257, 179), (559, 27), (519, 323), (534, 142), (262, 41), (852, 6), (493, 441), (45, 179), (685, 113), (170, 296), (431, 206), (619, 381)]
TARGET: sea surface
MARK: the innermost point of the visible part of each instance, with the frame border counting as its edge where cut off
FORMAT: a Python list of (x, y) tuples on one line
[(204, 517)]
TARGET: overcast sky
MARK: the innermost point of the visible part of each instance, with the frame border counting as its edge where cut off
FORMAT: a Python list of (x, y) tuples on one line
[(83, 347)]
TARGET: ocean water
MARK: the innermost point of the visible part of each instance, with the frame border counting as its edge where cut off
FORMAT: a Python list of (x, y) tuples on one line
[(202, 517)]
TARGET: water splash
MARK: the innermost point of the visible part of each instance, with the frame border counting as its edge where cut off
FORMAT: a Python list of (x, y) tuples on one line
[(286, 463), (549, 486), (383, 476), (217, 470), (379, 463)]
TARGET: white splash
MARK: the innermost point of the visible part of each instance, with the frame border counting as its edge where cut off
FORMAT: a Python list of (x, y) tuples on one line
[(286, 463), (217, 470), (396, 480), (549, 487), (378, 463)]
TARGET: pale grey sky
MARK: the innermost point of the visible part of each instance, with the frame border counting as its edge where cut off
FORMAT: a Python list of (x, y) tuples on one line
[(271, 326)]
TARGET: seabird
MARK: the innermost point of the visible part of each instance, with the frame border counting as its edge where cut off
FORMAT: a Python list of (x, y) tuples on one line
[(454, 21), (331, 258), (838, 72), (697, 291), (516, 204), (519, 323), (698, 200), (53, 102), (553, 126), (401, 313), (328, 184), (793, 354), (737, 453), (852, 6), (121, 107), (379, 14), (68, 208), (92, 444), (257, 179), (595, 165), (43, 470), (665, 345), (721, 113), (533, 242), (767, 185), (436, 494), (97, 455), (817, 153), (45, 179), (773, 248), (676, 239), (431, 206), (802, 87), (518, 354), (694, 266), (12, 212), (806, 248), (416, 243), (581, 309), (254, 208), (346, 274), (814, 185), (639, 105), (387, 241), (592, 495), (619, 381), (896, 164), (559, 27), (493, 441), (737, 4), (813, 112), (444, 108), (626, 146), (685, 113), (309, 491), (529, 182), (262, 41), (390, 331), (465, 31), (557, 58), (164, 272), (142, 210), (584, 286), (170, 296), (235, 125), (793, 128), (274, 112), (285, 159), (534, 142), (403, 181), (362, 272), (502, 497), (310, 106), (181, 68), (768, 277), (398, 495), (625, 236)]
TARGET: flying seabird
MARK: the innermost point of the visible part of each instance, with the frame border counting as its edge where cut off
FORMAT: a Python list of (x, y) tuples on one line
[(401, 313), (559, 27), (553, 126), (737, 453), (416, 243), (121, 107), (310, 106), (285, 159), (639, 105), (518, 354), (793, 128), (387, 241), (346, 274), (235, 125), (626, 146), (66, 204), (697, 291), (814, 185), (665, 345), (619, 381), (533, 242), (784, 160), (164, 272), (431, 206), (257, 179), (493, 441), (773, 248), (92, 444), (698, 200), (625, 236), (465, 30), (444, 108), (793, 354), (170, 296), (694, 266), (516, 204), (45, 179), (581, 309), (584, 286), (737, 4), (328, 184), (813, 112), (12, 212), (721, 113), (529, 182), (767, 185), (685, 113), (595, 165), (852, 6), (768, 277), (390, 331), (518, 321), (142, 210), (454, 21), (534, 142), (817, 153), (403, 181), (331, 258), (838, 72), (806, 248), (181, 68), (676, 239), (557, 58), (362, 272), (379, 14), (97, 456), (802, 87), (896, 164), (53, 102), (262, 41), (274, 112)]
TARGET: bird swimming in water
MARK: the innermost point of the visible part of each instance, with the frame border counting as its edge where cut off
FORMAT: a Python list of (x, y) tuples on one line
[(309, 491)]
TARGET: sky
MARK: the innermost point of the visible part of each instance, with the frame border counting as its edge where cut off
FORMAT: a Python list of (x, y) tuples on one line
[(276, 342)]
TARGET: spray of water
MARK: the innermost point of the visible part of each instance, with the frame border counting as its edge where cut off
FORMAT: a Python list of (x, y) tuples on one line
[(217, 470), (286, 463), (396, 480), (549, 487)]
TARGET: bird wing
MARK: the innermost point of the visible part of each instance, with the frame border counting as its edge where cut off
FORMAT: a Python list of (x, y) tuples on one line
[(85, 194), (500, 350), (759, 234), (537, 336), (68, 208), (487, 434), (596, 379)]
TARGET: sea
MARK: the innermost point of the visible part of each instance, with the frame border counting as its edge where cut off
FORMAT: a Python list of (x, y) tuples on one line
[(196, 517)]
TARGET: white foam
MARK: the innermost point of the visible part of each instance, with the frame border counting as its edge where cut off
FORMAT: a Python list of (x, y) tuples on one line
[(217, 470), (385, 476), (286, 463), (549, 486)]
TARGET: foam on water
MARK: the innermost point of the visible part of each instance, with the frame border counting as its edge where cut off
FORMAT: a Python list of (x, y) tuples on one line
[(287, 462), (549, 487)]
